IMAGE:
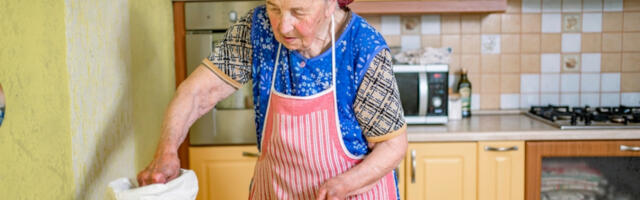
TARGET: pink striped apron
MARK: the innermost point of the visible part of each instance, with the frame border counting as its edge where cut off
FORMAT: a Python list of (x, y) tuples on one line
[(302, 147)]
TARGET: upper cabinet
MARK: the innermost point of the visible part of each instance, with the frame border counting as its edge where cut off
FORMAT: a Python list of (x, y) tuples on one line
[(427, 6)]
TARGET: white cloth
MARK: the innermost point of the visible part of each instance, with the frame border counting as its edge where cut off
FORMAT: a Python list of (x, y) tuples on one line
[(183, 187)]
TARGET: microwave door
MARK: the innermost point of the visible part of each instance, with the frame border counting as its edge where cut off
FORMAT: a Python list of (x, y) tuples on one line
[(408, 86)]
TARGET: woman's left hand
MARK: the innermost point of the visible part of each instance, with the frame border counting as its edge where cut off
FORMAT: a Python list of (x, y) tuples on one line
[(334, 189)]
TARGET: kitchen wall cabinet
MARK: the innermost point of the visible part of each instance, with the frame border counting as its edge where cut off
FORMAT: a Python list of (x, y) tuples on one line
[(441, 171), (501, 170), (427, 6), (224, 172)]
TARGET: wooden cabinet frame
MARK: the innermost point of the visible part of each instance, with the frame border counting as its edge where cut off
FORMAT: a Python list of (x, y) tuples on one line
[(420, 7), (535, 151), (180, 67)]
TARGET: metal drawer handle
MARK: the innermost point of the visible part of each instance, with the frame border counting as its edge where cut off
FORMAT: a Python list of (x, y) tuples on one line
[(500, 149), (629, 148), (249, 154), (413, 166)]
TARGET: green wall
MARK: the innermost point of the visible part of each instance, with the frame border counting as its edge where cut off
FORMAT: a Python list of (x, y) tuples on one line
[(35, 144)]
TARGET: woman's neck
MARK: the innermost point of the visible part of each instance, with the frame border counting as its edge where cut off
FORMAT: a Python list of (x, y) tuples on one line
[(323, 41)]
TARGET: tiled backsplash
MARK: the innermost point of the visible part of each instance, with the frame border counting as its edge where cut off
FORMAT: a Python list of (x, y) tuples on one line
[(570, 52)]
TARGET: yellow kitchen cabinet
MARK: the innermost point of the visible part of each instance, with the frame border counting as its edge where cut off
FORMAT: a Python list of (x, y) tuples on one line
[(441, 171), (501, 170), (224, 172)]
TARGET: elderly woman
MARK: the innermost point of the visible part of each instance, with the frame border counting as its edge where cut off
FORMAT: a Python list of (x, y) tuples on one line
[(328, 114)]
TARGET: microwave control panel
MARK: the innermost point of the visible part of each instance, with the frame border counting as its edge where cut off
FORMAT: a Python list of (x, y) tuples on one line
[(438, 93)]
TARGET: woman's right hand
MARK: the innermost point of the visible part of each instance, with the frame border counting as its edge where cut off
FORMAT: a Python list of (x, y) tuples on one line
[(162, 169)]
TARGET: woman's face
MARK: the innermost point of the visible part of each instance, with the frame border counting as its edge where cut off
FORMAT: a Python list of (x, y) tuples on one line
[(298, 24)]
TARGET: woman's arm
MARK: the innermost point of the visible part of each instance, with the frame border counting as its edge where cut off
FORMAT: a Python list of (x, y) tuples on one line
[(384, 157)]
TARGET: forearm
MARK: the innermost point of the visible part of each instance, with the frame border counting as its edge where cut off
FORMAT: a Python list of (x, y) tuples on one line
[(384, 157)]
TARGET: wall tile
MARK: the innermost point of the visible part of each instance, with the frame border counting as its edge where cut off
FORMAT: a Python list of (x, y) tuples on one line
[(491, 23), (592, 5), (611, 42), (509, 101), (610, 82), (476, 83), (551, 23), (531, 23), (514, 6), (550, 82), (410, 25), (390, 25), (551, 43), (571, 5), (550, 99), (611, 62), (630, 82), (490, 44), (571, 42), (528, 100), (529, 83), (475, 101), (571, 22), (452, 41), (630, 62), (410, 42), (430, 24), (591, 62), (531, 6), (631, 21), (455, 63), (592, 42), (590, 99), (450, 23), (510, 83), (530, 43), (571, 63), (470, 23), (490, 63), (631, 5), (530, 63), (511, 23), (392, 40), (373, 20), (471, 62), (610, 99), (592, 22), (569, 83), (612, 5), (550, 63), (590, 82), (510, 63), (570, 99), (490, 84), (431, 41), (512, 43), (630, 99), (551, 6), (490, 101), (631, 41), (612, 21), (471, 44)]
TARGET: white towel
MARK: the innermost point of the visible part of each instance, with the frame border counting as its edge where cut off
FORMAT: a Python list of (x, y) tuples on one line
[(184, 187)]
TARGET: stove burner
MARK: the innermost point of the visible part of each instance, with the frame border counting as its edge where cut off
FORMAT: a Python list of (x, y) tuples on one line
[(587, 116)]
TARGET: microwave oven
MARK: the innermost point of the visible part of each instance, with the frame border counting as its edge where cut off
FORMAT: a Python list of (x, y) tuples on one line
[(424, 92)]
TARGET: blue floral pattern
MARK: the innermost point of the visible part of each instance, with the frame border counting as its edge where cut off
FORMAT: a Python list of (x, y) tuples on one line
[(300, 76)]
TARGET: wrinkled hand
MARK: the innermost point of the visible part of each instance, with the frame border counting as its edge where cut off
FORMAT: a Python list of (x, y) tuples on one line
[(333, 189), (161, 170)]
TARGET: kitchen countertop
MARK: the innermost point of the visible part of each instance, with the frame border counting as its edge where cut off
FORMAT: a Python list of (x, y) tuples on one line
[(508, 127)]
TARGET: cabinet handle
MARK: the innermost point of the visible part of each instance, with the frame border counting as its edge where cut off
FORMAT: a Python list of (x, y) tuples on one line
[(413, 166), (500, 149), (629, 148), (249, 154)]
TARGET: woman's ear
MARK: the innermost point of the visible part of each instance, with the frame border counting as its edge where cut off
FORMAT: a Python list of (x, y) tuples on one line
[(331, 7)]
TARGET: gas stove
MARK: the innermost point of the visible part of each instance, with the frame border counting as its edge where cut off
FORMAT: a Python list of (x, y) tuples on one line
[(565, 117)]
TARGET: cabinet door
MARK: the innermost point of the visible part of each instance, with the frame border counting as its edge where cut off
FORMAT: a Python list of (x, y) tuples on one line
[(224, 172), (501, 170), (441, 171)]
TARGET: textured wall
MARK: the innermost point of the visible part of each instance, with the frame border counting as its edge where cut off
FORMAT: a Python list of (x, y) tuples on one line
[(153, 71), (35, 144), (99, 64)]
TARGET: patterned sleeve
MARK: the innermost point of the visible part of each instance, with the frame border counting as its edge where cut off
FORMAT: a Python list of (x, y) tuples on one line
[(231, 58), (377, 105)]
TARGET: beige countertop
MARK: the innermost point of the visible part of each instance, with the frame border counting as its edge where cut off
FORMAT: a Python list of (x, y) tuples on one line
[(501, 127)]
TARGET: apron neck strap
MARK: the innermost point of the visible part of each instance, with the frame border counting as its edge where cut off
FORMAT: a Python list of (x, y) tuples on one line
[(333, 57)]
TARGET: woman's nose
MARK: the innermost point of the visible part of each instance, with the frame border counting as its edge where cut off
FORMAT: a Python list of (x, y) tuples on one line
[(286, 24)]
